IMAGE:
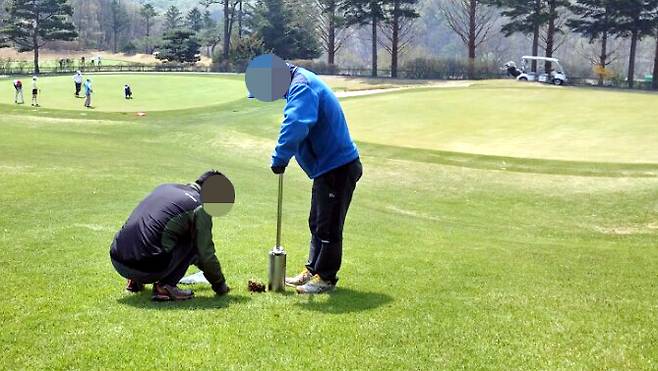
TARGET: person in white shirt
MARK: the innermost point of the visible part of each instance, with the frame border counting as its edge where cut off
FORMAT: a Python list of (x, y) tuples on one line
[(77, 79)]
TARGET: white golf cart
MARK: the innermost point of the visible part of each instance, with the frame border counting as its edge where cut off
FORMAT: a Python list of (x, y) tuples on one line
[(555, 75)]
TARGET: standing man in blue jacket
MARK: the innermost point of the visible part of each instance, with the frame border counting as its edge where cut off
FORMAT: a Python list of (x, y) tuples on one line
[(314, 131)]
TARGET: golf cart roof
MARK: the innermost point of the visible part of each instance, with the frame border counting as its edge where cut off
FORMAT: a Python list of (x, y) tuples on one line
[(531, 58)]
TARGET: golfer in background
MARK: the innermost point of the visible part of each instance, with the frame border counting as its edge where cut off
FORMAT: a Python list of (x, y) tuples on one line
[(88, 91), (35, 92), (77, 80), (314, 131), (167, 232), (18, 86)]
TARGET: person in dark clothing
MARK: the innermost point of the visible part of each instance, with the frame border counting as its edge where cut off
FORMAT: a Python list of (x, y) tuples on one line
[(167, 232), (127, 92), (314, 131)]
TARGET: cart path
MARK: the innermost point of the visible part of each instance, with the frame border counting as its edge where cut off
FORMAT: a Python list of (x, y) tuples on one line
[(438, 85)]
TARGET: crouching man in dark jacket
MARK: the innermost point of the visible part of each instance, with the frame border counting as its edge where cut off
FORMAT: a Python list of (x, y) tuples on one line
[(164, 235)]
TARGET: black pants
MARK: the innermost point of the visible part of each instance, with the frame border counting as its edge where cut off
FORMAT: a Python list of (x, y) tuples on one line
[(331, 197), (78, 86), (181, 259)]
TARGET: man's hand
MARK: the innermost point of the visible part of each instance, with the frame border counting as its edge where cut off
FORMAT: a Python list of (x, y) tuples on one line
[(222, 289), (278, 169)]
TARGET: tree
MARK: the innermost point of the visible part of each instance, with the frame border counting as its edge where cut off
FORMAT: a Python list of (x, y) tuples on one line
[(525, 17), (332, 27), (653, 6), (210, 38), (173, 18), (633, 20), (471, 20), (229, 10), (195, 19), (283, 32), (180, 46), (208, 22), (148, 12), (119, 20), (399, 15), (595, 22), (31, 24), (553, 12), (366, 12)]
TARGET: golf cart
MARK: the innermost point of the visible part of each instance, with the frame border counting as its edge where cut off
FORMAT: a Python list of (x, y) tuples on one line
[(555, 75)]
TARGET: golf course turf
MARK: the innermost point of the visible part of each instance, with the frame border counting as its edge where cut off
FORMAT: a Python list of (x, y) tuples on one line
[(497, 226)]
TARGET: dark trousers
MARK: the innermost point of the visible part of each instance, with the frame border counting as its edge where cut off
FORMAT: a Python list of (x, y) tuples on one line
[(331, 197), (181, 259), (78, 86)]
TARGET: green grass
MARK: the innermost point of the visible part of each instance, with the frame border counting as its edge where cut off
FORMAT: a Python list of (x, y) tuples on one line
[(452, 260), (150, 92)]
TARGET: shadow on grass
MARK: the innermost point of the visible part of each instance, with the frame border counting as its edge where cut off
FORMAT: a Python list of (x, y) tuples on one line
[(345, 300), (144, 301)]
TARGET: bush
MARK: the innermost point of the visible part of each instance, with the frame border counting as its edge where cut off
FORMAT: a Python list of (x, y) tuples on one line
[(320, 68), (130, 48), (447, 69)]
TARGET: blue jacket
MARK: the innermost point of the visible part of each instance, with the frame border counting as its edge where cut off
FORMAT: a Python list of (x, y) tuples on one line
[(314, 129)]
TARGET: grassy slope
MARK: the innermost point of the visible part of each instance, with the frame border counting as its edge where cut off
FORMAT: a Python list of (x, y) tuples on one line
[(444, 267)]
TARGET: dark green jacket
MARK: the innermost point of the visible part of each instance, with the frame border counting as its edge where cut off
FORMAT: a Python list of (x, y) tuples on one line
[(169, 218)]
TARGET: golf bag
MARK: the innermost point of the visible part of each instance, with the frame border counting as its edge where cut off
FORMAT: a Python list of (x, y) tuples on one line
[(512, 70)]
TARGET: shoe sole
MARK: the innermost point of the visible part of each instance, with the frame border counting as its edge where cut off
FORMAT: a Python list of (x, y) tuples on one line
[(300, 291), (169, 298)]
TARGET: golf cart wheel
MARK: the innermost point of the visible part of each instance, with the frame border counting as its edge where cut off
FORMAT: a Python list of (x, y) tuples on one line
[(523, 79), (558, 82)]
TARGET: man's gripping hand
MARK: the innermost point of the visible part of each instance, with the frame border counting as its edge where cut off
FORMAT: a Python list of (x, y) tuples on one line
[(278, 169)]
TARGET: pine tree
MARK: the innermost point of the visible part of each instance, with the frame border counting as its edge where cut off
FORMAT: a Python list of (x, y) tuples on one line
[(118, 21), (208, 22), (525, 17), (282, 32), (194, 19), (367, 12), (173, 18), (633, 19), (30, 24), (180, 46), (595, 22), (148, 12)]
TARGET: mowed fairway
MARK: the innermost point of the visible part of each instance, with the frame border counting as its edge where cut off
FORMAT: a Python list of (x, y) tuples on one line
[(495, 257)]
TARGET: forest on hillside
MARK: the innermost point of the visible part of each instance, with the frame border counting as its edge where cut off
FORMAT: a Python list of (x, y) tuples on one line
[(611, 39)]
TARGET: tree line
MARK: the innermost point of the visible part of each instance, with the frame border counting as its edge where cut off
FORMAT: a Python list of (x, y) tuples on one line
[(232, 31)]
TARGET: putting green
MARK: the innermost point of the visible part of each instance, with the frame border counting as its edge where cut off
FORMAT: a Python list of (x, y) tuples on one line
[(524, 121), (151, 92)]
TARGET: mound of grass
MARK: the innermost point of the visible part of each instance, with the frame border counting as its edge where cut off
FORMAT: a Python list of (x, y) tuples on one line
[(516, 121)]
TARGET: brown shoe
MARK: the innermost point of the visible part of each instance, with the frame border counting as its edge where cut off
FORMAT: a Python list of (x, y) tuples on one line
[(134, 286), (164, 292)]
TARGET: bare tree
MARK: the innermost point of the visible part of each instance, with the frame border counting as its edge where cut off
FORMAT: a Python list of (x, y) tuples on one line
[(333, 29), (229, 10), (472, 21), (397, 38)]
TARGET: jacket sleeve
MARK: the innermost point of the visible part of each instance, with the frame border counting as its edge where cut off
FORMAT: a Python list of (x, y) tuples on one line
[(208, 262), (299, 116)]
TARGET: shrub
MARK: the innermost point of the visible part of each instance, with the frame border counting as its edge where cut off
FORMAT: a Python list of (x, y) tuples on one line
[(447, 69)]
